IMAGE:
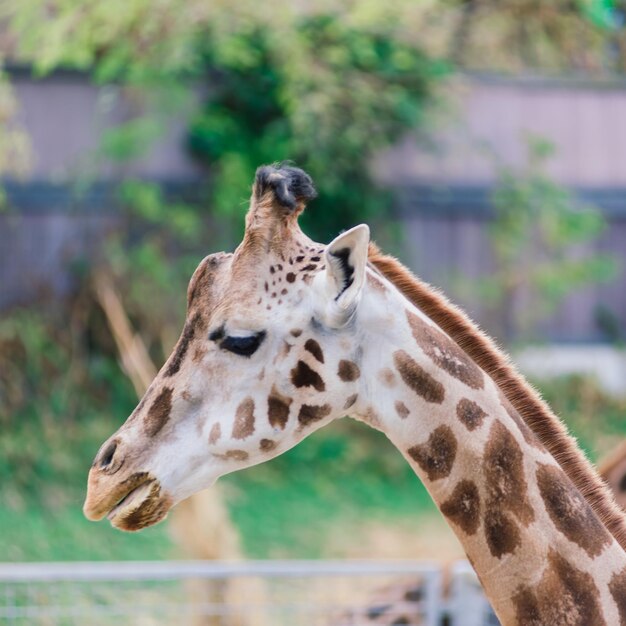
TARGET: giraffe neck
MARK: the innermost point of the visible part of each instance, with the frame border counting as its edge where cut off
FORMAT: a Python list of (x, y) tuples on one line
[(540, 551)]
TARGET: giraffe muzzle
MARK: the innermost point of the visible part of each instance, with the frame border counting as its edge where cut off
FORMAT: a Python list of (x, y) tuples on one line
[(130, 504)]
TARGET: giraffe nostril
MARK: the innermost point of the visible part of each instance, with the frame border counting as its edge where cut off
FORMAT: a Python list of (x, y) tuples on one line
[(107, 455)]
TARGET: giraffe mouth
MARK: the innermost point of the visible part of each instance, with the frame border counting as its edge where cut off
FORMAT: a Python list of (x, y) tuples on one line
[(143, 506), (132, 504)]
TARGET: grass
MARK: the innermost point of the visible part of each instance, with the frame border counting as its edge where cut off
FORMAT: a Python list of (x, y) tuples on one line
[(322, 490), (57, 406), (291, 507)]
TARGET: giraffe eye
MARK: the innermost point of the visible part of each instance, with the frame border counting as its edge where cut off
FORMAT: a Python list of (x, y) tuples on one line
[(244, 346)]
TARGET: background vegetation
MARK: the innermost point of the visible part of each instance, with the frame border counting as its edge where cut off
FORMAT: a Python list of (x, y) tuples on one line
[(327, 88)]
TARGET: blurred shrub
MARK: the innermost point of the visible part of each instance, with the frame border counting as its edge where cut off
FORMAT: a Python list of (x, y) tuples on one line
[(328, 98), (61, 390), (543, 240), (324, 87)]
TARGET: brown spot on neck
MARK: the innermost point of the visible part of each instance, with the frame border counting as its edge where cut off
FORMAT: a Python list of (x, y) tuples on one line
[(303, 376), (267, 445), (278, 409), (503, 468), (470, 414), (570, 512), (159, 412), (215, 433), (311, 413), (387, 377), (235, 455), (436, 456), (463, 507), (401, 409), (445, 353), (314, 348), (564, 595), (350, 401), (348, 371), (501, 532), (617, 587), (506, 491), (417, 378), (244, 419)]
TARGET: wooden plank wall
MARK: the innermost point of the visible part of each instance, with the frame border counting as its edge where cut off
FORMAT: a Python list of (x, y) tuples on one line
[(452, 251)]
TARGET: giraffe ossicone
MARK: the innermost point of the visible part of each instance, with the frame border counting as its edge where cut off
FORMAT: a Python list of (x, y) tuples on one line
[(285, 334)]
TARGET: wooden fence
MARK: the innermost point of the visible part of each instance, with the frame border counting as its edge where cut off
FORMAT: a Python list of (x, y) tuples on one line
[(446, 242)]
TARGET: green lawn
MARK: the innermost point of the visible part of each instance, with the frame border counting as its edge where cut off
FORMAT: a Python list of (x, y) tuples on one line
[(302, 504)]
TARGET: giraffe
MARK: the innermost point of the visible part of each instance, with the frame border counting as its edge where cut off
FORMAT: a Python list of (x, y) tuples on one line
[(285, 335)]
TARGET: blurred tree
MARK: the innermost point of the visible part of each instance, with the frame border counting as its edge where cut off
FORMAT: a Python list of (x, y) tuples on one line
[(542, 240), (326, 87), (15, 154), (546, 35)]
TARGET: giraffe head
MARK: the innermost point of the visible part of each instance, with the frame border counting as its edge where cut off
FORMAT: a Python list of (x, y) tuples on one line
[(269, 352)]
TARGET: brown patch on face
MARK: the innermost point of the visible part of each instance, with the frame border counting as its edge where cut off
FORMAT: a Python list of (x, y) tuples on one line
[(314, 348), (215, 433), (291, 277), (445, 353), (617, 587), (503, 469), (401, 409), (278, 409), (463, 506), (417, 378), (348, 371), (267, 445), (350, 401), (527, 433), (564, 595), (570, 512), (296, 332), (159, 412), (183, 344), (198, 354), (501, 532), (244, 419), (470, 413), (303, 376), (311, 413), (436, 456), (387, 377)]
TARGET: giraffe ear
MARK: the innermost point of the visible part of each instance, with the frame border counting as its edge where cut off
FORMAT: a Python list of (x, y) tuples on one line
[(346, 258)]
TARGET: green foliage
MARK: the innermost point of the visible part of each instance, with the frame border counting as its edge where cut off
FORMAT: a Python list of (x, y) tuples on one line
[(324, 88), (543, 243), (55, 391), (327, 98)]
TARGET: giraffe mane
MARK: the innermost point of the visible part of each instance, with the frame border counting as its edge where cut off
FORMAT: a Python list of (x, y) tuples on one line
[(535, 412)]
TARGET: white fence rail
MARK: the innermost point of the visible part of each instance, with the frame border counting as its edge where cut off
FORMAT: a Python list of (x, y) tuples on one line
[(246, 593)]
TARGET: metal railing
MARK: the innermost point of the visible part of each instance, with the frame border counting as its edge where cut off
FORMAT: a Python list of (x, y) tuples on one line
[(246, 593)]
